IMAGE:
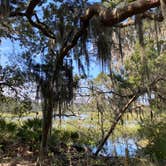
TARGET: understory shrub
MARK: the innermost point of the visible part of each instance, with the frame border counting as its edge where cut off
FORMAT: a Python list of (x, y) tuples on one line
[(30, 132), (7, 130), (155, 133)]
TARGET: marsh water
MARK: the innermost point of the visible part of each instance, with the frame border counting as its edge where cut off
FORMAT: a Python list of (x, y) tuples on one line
[(118, 147)]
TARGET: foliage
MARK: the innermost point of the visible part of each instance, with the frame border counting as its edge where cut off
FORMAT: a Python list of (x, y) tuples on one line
[(66, 136), (10, 78), (30, 132), (143, 69), (8, 130), (116, 3), (144, 64), (12, 99), (15, 106), (154, 131)]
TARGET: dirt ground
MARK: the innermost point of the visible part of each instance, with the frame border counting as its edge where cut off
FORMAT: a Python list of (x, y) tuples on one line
[(22, 155)]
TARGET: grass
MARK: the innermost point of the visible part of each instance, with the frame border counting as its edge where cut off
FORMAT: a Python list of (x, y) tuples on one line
[(13, 115)]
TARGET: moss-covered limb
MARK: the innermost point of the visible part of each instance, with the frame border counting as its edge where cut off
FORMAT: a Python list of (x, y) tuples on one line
[(105, 15)]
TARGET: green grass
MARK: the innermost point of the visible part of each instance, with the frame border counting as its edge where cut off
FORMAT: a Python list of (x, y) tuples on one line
[(12, 115)]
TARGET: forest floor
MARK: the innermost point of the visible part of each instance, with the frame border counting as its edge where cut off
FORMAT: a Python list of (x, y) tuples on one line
[(21, 155), (17, 154)]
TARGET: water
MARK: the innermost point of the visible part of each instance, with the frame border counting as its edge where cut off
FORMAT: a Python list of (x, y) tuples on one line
[(24, 118), (81, 117), (118, 147)]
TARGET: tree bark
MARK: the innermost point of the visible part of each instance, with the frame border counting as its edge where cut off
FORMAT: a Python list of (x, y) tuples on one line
[(46, 127), (111, 17)]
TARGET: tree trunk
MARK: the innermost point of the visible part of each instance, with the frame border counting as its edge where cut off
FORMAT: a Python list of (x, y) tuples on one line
[(46, 126)]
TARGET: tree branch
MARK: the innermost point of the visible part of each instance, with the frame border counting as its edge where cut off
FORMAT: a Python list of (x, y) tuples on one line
[(31, 7), (42, 27), (108, 18), (152, 16), (115, 123), (111, 17), (39, 25), (99, 91)]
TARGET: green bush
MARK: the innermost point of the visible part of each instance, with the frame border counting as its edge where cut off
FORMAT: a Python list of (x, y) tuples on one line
[(30, 132), (7, 130), (7, 133), (59, 136), (155, 132)]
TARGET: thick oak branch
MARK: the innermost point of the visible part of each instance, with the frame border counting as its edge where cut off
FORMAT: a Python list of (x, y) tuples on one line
[(110, 18), (107, 17)]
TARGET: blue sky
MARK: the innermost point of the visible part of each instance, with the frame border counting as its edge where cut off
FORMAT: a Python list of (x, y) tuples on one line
[(5, 50), (9, 49)]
